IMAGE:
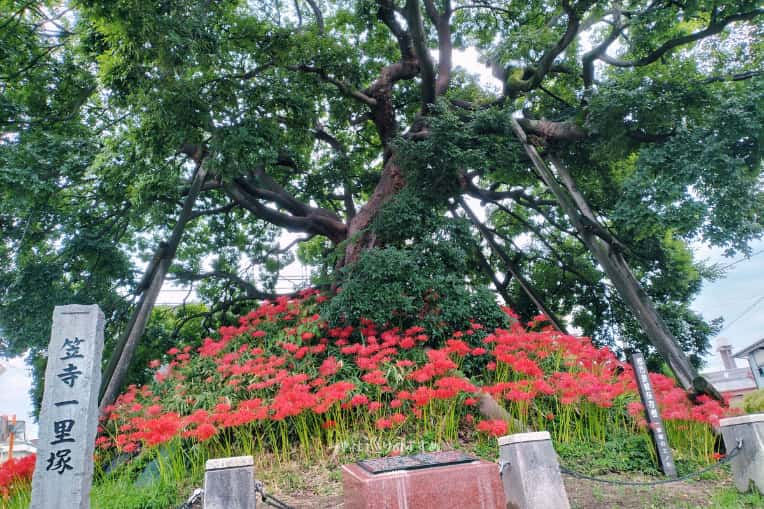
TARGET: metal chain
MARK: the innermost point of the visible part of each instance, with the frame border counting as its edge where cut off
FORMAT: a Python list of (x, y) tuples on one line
[(270, 499), (719, 463)]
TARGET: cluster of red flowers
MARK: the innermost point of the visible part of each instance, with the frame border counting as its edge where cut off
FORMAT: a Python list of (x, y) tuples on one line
[(282, 361), (15, 473)]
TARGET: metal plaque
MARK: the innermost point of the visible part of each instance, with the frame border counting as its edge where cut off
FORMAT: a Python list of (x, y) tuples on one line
[(415, 461)]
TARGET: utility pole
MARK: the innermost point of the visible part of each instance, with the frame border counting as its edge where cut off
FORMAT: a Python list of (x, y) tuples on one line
[(11, 437)]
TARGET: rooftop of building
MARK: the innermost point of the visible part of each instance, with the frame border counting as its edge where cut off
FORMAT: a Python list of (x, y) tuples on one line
[(742, 354), (730, 380)]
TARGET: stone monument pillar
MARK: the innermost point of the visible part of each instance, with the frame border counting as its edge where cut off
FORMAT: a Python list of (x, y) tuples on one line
[(229, 483), (69, 413), (748, 463), (530, 472)]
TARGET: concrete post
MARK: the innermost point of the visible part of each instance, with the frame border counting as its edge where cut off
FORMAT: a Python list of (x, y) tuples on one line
[(530, 472), (748, 464), (229, 483)]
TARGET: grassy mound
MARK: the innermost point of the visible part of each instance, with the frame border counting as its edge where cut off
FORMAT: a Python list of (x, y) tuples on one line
[(285, 385)]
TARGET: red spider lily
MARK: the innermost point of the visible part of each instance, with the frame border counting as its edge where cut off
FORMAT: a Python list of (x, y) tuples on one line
[(264, 378), (204, 432), (458, 347), (15, 473), (494, 427), (358, 400), (375, 377), (398, 418), (407, 343)]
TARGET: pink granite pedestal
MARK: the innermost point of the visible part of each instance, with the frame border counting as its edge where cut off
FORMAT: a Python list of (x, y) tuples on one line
[(473, 485)]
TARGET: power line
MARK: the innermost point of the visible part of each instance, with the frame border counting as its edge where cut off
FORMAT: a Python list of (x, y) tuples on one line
[(741, 315), (732, 264)]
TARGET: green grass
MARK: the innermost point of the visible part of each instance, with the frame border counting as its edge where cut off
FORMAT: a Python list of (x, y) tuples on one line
[(178, 471), (118, 494), (730, 498)]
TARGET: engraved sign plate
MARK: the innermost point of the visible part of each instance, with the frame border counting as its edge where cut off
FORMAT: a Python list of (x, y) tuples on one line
[(415, 461)]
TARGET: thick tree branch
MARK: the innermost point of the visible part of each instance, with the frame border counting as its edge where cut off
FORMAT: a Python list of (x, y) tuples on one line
[(714, 27), (250, 289), (330, 140), (267, 188), (641, 136), (416, 28), (544, 65), (386, 14), (587, 61), (733, 77), (304, 219), (555, 131), (517, 195), (194, 151), (442, 22), (317, 13), (483, 6), (383, 113)]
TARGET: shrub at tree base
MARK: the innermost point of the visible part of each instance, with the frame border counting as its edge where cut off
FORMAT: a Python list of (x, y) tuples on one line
[(754, 402), (15, 474), (284, 380)]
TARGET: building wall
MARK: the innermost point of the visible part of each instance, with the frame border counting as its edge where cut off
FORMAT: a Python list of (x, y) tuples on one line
[(20, 450)]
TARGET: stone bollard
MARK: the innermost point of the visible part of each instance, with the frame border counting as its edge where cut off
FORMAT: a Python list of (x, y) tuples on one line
[(748, 464), (530, 472), (229, 483)]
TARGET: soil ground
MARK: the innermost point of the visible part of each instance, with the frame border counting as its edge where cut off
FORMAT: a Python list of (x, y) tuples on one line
[(584, 494), (321, 488)]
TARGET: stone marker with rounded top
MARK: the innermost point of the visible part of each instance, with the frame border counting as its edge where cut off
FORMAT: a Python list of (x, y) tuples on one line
[(748, 463), (69, 413), (229, 483), (530, 472)]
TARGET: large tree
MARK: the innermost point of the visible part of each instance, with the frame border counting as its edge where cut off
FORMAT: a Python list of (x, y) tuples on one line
[(193, 134)]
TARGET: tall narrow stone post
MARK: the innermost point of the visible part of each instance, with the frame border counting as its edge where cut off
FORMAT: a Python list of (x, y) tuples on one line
[(530, 472), (69, 413), (229, 483), (748, 463)]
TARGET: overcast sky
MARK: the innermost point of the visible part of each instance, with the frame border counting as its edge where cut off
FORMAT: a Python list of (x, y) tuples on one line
[(738, 298)]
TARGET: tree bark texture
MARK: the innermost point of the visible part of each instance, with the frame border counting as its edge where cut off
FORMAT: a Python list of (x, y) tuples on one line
[(358, 234)]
